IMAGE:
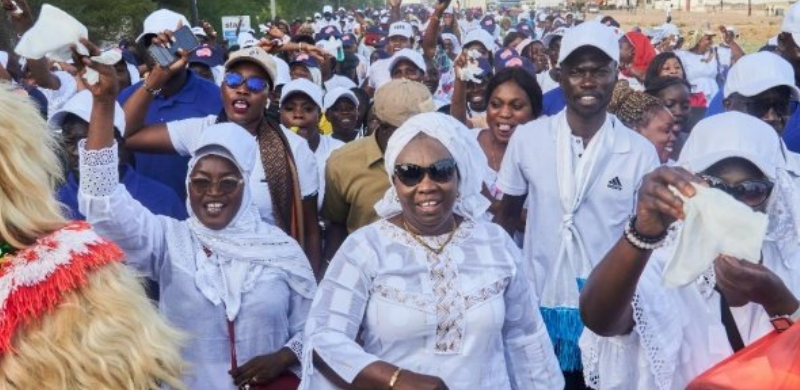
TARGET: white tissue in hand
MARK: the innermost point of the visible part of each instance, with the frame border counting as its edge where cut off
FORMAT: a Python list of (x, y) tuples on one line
[(53, 32), (109, 57), (472, 70), (715, 224)]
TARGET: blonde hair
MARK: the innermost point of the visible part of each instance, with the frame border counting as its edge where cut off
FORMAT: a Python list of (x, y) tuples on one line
[(634, 108), (29, 172), (105, 335)]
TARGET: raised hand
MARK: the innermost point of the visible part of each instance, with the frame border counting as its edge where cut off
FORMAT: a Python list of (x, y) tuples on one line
[(395, 3), (209, 30), (20, 13), (440, 7), (107, 87), (159, 75), (658, 207)]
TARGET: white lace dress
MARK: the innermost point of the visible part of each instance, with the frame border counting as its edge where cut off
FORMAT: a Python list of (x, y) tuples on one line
[(466, 315), (678, 333), (272, 314)]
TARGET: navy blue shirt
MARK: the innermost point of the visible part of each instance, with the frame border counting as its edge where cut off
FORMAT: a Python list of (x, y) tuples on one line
[(198, 98), (154, 196), (715, 106), (553, 102), (791, 134)]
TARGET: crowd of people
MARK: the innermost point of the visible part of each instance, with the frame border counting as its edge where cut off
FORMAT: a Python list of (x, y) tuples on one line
[(400, 198)]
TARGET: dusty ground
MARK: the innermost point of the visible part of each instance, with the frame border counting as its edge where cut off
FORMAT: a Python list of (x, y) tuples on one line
[(753, 30)]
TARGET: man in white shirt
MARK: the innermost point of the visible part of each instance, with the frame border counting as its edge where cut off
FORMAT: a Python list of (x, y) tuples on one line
[(328, 19), (580, 170)]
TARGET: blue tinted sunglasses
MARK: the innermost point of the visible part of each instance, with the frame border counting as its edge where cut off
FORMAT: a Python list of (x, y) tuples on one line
[(254, 84)]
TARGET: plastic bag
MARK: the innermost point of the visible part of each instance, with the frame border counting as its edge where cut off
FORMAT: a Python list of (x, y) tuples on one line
[(773, 363)]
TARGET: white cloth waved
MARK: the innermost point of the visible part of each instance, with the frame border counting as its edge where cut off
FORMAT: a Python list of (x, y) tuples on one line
[(715, 224)]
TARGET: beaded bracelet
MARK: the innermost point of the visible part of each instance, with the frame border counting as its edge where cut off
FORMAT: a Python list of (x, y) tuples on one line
[(641, 241)]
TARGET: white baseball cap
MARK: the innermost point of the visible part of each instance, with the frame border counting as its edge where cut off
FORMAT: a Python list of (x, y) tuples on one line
[(338, 93), (401, 29), (327, 9), (791, 22), (198, 31), (481, 36), (758, 72), (80, 105), (559, 32), (162, 20), (304, 86), (594, 34), (410, 55)]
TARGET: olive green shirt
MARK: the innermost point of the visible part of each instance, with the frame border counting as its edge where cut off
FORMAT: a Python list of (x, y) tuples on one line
[(355, 179)]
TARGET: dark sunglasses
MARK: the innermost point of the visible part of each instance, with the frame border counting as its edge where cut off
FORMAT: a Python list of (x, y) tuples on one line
[(441, 171), (224, 186), (751, 192), (254, 84)]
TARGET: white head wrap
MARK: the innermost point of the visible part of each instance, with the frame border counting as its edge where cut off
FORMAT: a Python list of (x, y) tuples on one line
[(452, 38), (464, 148), (243, 248), (734, 134)]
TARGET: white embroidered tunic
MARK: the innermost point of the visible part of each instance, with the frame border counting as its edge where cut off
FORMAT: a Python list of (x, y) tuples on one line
[(467, 315), (272, 314)]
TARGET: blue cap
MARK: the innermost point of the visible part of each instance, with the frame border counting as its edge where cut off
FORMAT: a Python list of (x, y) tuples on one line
[(381, 43), (207, 55), (306, 60), (524, 29), (488, 24), (326, 33), (508, 58), (349, 40)]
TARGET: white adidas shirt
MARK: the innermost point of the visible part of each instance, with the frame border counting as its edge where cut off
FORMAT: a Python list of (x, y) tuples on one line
[(529, 166)]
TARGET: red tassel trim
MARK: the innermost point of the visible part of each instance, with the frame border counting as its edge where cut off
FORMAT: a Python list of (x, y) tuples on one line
[(27, 303)]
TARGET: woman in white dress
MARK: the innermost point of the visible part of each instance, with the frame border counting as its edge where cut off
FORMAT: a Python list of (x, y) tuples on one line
[(642, 335), (702, 62), (223, 274), (438, 290)]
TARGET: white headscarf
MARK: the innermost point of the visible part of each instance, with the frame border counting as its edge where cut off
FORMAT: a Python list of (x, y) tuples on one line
[(734, 134), (464, 148), (452, 38), (247, 245)]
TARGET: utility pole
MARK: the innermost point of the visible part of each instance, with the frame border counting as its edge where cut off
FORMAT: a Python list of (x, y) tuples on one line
[(272, 9), (195, 13)]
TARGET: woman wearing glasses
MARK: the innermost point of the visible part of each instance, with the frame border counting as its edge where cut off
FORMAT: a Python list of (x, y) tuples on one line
[(285, 187), (643, 335), (239, 287), (437, 290)]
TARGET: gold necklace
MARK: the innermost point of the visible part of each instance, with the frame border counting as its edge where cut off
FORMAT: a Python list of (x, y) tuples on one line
[(419, 240)]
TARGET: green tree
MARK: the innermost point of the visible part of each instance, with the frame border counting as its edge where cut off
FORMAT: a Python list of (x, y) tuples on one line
[(108, 21)]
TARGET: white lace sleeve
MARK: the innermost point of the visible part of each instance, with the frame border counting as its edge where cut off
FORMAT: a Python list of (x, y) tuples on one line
[(296, 345), (114, 214), (99, 169), (646, 358)]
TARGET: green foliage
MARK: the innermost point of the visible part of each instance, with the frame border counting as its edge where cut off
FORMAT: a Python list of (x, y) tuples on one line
[(107, 20)]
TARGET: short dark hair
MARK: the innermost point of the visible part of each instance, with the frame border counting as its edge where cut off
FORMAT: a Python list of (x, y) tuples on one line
[(655, 85), (524, 80), (654, 69), (511, 37)]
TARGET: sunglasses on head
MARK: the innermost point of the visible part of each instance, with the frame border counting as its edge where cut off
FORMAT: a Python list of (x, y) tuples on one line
[(441, 171), (254, 84), (750, 192), (224, 186)]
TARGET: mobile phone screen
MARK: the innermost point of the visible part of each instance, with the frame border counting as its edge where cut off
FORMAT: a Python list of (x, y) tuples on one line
[(184, 39)]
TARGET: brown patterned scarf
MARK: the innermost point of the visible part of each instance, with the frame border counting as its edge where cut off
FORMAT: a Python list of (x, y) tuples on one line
[(280, 171)]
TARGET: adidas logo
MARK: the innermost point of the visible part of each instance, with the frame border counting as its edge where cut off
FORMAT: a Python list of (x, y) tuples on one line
[(615, 184)]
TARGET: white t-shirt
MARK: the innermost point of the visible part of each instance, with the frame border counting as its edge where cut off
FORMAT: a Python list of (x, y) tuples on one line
[(327, 145), (702, 75), (379, 73), (185, 134), (529, 167)]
